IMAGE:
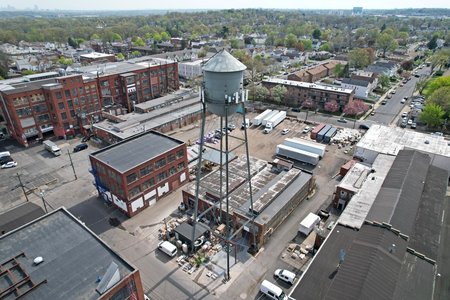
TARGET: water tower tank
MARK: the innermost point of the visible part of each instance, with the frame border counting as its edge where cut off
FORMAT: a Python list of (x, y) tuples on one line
[(223, 83)]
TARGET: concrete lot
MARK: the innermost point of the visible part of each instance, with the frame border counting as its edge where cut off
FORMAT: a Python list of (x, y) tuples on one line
[(136, 239)]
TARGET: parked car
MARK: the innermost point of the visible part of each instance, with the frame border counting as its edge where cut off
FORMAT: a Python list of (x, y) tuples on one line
[(342, 120), (364, 126), (5, 159), (413, 125), (10, 164), (404, 114), (231, 126), (285, 275), (372, 113), (80, 147), (410, 121), (295, 109), (306, 129), (285, 131), (383, 102)]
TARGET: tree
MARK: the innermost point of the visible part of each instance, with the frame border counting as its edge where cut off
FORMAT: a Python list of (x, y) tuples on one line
[(3, 64), (384, 81), (120, 56), (72, 42), (441, 97), (328, 46), (385, 42), (138, 42), (65, 61), (331, 106), (407, 65), (115, 37), (165, 36), (291, 40), (440, 58), (432, 44), (307, 44), (136, 53), (403, 38), (224, 32), (340, 70), (261, 93), (358, 58), (316, 34), (95, 37), (278, 93), (432, 115), (435, 84), (235, 44), (355, 108)]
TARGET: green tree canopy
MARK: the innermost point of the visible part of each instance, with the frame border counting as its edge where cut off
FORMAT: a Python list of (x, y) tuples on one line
[(435, 84), (384, 81), (432, 115), (120, 56), (261, 93), (359, 58), (385, 42), (139, 42), (340, 70), (307, 44), (115, 37), (291, 40), (441, 97), (278, 93), (316, 33)]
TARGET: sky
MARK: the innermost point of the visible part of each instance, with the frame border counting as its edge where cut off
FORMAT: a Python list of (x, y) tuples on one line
[(202, 4)]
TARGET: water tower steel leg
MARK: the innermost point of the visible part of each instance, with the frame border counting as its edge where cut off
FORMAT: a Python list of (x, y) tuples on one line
[(249, 175), (227, 179), (221, 170), (199, 168)]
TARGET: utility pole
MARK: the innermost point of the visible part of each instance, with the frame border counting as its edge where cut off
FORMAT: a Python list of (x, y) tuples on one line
[(43, 201), (71, 163), (23, 188)]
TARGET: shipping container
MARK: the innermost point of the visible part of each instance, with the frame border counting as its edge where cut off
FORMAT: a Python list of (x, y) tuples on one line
[(304, 145), (332, 132), (274, 121), (322, 133), (257, 120), (297, 154), (316, 130), (269, 116)]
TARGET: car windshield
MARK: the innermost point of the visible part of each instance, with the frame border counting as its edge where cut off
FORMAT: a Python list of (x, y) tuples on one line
[(282, 296)]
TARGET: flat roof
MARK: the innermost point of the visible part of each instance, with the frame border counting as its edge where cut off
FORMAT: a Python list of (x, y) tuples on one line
[(307, 85), (135, 123), (19, 216), (180, 94), (134, 151), (390, 140), (359, 205), (355, 177), (73, 257), (96, 55)]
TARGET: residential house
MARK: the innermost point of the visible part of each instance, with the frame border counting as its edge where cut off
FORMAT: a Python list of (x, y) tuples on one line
[(361, 87), (383, 67)]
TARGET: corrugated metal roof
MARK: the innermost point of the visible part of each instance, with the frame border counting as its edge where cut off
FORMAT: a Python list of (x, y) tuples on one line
[(224, 62)]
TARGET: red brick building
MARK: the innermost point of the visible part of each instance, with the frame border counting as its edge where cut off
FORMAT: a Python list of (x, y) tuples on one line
[(66, 105), (299, 92), (138, 171)]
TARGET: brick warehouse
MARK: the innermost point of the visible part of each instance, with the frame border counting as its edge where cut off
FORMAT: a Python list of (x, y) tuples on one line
[(298, 92), (138, 171), (66, 105)]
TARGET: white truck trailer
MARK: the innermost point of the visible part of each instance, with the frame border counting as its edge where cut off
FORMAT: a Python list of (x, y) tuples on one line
[(52, 148), (297, 154), (258, 119), (268, 117), (274, 121), (308, 223), (313, 147)]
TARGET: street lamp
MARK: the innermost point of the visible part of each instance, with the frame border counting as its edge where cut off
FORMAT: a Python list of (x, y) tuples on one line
[(41, 193)]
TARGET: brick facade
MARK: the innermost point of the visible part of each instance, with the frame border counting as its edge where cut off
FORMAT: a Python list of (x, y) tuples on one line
[(70, 104)]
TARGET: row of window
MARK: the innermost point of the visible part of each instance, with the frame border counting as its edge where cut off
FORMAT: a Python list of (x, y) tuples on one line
[(160, 177), (151, 181)]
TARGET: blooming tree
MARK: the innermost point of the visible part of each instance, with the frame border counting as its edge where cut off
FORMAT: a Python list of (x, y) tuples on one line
[(331, 106), (355, 108), (308, 103)]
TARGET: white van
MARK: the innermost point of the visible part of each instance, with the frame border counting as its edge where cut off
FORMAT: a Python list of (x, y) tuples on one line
[(285, 275), (168, 248), (272, 291)]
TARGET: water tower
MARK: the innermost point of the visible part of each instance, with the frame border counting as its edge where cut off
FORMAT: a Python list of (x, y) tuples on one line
[(223, 94)]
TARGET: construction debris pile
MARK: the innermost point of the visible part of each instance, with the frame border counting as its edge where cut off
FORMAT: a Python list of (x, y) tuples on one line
[(346, 137)]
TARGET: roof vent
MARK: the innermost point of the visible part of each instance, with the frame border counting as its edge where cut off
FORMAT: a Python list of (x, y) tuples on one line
[(38, 260)]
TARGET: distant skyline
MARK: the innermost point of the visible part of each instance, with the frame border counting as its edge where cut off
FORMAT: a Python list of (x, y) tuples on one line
[(196, 4)]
